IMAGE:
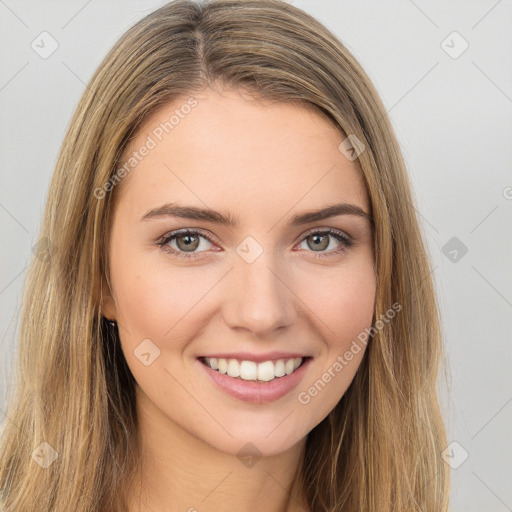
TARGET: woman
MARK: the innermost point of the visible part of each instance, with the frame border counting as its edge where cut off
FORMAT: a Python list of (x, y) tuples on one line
[(235, 309)]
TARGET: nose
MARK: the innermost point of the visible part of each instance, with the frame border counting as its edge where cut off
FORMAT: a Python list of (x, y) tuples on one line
[(257, 296)]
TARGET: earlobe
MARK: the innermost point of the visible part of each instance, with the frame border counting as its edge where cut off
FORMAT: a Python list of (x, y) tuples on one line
[(107, 304), (108, 310), (113, 323)]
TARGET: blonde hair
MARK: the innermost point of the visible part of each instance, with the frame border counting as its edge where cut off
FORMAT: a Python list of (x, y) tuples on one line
[(380, 447)]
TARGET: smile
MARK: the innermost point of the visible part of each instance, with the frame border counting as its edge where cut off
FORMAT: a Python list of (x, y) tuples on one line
[(265, 371)]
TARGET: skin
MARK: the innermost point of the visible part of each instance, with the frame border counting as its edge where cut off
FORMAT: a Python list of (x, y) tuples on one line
[(263, 163)]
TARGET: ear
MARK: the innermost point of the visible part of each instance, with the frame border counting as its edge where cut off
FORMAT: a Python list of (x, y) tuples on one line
[(107, 304)]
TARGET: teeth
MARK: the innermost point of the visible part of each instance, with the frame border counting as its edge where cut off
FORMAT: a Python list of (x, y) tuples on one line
[(233, 368), (249, 370), (266, 371), (223, 365), (279, 368)]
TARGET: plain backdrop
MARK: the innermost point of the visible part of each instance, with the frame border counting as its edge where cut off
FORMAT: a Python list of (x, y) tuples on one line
[(444, 72)]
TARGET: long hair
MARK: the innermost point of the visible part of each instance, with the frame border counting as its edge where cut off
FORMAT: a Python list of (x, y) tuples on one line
[(70, 438)]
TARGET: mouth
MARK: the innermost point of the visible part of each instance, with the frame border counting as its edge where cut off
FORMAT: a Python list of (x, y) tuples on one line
[(256, 382), (247, 370)]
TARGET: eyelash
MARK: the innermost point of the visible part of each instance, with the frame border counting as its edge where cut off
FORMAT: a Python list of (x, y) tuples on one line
[(338, 235)]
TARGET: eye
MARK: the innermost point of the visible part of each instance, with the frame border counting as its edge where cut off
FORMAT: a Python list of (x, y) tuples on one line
[(188, 240), (320, 240)]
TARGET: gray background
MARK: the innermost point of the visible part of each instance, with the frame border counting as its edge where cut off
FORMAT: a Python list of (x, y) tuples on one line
[(452, 115)]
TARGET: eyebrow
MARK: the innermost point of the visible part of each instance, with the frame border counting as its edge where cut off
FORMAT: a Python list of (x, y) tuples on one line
[(208, 215)]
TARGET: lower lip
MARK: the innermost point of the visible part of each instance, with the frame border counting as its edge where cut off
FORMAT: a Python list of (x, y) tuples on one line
[(256, 392)]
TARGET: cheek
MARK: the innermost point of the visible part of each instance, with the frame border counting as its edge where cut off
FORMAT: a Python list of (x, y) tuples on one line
[(151, 302), (343, 302), (157, 300)]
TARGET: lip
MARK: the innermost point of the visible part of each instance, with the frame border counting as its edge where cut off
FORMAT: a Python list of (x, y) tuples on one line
[(257, 358), (256, 392)]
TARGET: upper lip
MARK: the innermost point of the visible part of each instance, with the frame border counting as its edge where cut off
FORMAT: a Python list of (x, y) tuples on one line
[(257, 358)]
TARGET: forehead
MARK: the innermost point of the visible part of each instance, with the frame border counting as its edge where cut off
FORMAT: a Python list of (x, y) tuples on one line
[(225, 150)]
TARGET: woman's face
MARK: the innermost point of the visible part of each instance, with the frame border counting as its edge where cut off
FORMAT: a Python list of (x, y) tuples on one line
[(271, 285)]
